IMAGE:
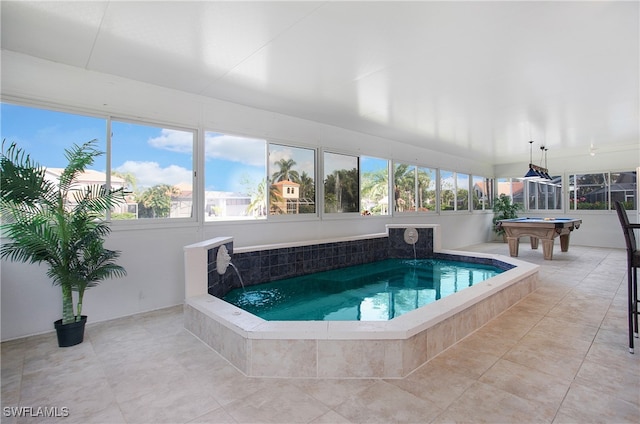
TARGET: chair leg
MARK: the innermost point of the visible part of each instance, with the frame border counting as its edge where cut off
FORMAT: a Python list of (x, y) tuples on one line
[(635, 302), (631, 278)]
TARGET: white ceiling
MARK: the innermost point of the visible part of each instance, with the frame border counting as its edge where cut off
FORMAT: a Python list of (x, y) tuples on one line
[(476, 79)]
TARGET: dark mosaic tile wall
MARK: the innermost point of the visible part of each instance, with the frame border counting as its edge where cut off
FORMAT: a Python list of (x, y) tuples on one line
[(399, 249), (269, 265)]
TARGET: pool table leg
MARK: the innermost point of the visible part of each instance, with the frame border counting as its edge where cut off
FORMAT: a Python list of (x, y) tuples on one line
[(564, 242), (534, 242), (514, 242), (547, 249)]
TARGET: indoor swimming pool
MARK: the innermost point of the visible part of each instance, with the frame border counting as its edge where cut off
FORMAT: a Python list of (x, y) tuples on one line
[(377, 291)]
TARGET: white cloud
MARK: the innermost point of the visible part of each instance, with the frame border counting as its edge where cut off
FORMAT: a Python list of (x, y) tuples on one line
[(149, 174), (334, 161), (249, 151), (308, 167), (173, 141), (302, 157), (276, 155)]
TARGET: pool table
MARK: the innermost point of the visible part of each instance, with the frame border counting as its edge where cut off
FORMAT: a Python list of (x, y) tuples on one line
[(545, 229)]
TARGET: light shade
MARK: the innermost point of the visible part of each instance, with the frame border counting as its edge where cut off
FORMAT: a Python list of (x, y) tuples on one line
[(532, 174), (537, 173)]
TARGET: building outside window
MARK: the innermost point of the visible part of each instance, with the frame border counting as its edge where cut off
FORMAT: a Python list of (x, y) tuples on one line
[(292, 173), (599, 191), (482, 193), (512, 187), (624, 188)]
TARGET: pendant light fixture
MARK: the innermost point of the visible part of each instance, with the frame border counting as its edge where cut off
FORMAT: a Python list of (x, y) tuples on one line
[(537, 173)]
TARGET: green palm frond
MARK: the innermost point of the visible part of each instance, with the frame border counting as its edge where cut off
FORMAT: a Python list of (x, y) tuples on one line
[(96, 199), (33, 240), (22, 181), (79, 157)]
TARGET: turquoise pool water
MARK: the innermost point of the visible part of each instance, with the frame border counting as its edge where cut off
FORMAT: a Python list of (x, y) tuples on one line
[(376, 291)]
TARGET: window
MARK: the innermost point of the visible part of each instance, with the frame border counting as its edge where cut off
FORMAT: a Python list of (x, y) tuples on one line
[(482, 193), (404, 187), (374, 186), (624, 188), (341, 183), (462, 192), (589, 191), (235, 185), (156, 165), (414, 188), (545, 195), (426, 180), (447, 191), (454, 191), (512, 187), (45, 134), (292, 173), (599, 191)]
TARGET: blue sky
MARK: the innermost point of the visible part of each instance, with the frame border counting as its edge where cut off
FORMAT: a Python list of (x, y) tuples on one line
[(370, 164), (156, 155), (45, 135)]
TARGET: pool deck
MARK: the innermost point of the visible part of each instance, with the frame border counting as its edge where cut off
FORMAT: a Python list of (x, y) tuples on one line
[(560, 355)]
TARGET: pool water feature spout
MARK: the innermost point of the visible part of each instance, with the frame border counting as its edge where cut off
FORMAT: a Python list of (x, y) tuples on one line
[(223, 261), (411, 237)]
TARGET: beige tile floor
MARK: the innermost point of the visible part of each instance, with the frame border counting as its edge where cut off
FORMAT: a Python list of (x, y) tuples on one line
[(558, 356)]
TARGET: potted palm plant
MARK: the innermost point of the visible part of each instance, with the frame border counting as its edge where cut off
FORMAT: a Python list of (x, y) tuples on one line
[(59, 223), (503, 208)]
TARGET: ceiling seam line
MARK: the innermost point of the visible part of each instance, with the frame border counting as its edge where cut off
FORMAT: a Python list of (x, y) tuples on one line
[(95, 39), (262, 47)]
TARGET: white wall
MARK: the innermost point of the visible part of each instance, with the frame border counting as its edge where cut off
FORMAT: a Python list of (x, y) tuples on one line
[(153, 256)]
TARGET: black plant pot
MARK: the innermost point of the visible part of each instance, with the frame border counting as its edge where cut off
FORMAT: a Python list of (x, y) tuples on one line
[(70, 334)]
